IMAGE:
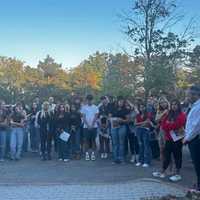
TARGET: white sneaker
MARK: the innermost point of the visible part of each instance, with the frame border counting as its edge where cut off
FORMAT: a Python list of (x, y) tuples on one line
[(105, 155), (60, 159), (158, 175), (162, 175), (66, 160), (102, 156), (175, 178), (145, 165), (93, 157), (87, 156), (138, 164)]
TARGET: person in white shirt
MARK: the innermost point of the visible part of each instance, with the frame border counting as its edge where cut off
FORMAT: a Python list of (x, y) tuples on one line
[(192, 130), (90, 115)]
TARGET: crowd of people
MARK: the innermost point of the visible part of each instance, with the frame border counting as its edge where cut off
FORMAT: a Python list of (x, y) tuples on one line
[(120, 129)]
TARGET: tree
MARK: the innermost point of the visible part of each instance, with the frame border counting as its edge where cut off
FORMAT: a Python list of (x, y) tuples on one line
[(122, 76), (87, 77), (12, 78), (147, 28), (49, 67), (194, 64)]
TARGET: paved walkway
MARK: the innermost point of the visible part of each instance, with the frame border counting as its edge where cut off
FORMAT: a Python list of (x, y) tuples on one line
[(32, 179), (124, 191)]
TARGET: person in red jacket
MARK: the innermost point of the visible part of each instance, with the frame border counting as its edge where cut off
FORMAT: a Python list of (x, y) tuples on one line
[(173, 127)]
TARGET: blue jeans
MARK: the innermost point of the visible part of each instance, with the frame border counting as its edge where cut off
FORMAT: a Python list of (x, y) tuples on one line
[(75, 141), (16, 142), (143, 136), (118, 142), (2, 143)]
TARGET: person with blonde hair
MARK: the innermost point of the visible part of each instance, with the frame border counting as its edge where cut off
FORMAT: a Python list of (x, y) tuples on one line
[(162, 111), (44, 121)]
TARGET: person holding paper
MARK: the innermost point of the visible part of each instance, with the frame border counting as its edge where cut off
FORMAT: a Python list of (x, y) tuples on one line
[(62, 125), (173, 127)]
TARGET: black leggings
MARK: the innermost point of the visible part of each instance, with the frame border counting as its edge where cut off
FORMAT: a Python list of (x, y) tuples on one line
[(194, 147), (46, 140), (174, 148)]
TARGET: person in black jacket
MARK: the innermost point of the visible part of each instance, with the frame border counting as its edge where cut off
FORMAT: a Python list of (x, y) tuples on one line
[(44, 121), (34, 133), (75, 125), (62, 125)]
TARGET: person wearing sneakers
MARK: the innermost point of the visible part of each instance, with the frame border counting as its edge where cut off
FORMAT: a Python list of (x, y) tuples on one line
[(119, 119), (192, 130), (143, 123), (173, 127), (104, 126), (62, 125), (89, 113), (75, 126), (104, 137), (16, 139)]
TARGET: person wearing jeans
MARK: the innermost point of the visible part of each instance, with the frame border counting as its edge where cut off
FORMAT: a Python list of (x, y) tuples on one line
[(143, 123), (143, 136), (17, 133), (16, 143), (118, 140), (119, 120)]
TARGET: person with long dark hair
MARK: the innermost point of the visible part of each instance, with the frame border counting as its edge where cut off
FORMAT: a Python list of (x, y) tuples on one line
[(119, 120), (131, 141), (173, 127), (17, 119), (62, 125), (75, 128), (34, 132), (143, 125), (104, 127)]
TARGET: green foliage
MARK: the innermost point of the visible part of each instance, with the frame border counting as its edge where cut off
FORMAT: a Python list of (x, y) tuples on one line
[(147, 27)]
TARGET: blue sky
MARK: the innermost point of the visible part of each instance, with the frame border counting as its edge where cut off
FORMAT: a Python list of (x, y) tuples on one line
[(68, 30)]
